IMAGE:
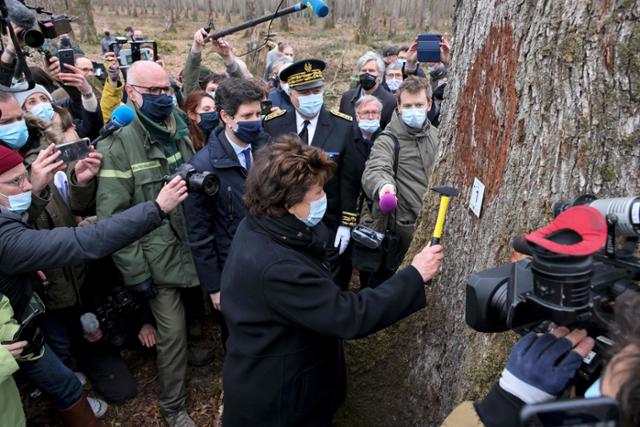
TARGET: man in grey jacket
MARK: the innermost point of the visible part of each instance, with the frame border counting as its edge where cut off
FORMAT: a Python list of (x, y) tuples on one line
[(417, 147)]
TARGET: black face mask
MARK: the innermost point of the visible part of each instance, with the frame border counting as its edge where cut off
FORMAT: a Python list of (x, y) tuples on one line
[(367, 81), (209, 121), (156, 107)]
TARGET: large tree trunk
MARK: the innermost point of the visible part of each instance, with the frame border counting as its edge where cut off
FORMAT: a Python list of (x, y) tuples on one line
[(542, 105), (87, 26), (363, 31)]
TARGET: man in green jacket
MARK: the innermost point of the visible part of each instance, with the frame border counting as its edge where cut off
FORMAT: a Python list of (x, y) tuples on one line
[(417, 148), (135, 160)]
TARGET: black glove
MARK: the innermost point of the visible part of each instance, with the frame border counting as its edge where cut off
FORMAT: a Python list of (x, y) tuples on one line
[(145, 290)]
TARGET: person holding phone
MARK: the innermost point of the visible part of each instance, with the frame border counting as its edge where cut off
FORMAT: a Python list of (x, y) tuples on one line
[(11, 410), (26, 250)]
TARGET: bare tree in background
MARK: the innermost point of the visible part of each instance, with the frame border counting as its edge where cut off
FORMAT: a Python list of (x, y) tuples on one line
[(330, 21), (86, 23), (363, 32)]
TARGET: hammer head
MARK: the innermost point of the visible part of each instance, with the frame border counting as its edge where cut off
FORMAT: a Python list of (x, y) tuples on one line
[(446, 191)]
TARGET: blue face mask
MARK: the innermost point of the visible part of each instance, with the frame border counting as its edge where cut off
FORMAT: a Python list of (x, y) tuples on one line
[(317, 208), (209, 121), (393, 84), (440, 69), (14, 134), (157, 107), (402, 61), (414, 117), (20, 202), (593, 391), (369, 126), (248, 132), (44, 110), (310, 105)]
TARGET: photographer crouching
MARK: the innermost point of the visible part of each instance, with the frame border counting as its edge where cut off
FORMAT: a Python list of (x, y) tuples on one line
[(25, 251)]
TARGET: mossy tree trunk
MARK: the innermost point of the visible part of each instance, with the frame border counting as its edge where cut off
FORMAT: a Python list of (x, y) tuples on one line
[(542, 105), (364, 31)]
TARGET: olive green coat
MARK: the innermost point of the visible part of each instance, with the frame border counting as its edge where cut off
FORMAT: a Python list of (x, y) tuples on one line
[(11, 412), (133, 171)]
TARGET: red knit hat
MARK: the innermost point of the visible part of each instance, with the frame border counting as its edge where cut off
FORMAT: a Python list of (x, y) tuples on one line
[(9, 159)]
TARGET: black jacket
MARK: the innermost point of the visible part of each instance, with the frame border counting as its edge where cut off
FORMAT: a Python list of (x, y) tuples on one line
[(216, 216), (388, 99), (284, 364), (24, 250), (356, 157), (334, 132)]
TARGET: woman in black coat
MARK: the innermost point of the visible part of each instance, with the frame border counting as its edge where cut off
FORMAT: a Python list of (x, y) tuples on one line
[(284, 364)]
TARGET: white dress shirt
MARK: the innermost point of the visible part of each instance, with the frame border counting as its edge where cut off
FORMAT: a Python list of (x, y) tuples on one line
[(239, 151), (311, 129)]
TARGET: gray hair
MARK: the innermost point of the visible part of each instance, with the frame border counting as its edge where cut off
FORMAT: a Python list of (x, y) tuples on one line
[(367, 99), (370, 56), (394, 66)]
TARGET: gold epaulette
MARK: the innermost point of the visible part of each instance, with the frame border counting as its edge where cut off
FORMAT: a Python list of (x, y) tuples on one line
[(274, 115), (342, 115)]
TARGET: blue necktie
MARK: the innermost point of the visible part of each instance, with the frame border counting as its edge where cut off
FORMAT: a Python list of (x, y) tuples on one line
[(247, 158)]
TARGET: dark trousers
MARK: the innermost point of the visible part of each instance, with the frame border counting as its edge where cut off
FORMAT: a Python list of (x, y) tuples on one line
[(100, 361), (54, 378), (193, 301)]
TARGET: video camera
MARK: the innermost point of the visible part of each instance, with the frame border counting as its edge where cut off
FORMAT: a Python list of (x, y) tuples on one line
[(50, 28), (574, 291), (112, 314), (135, 52), (205, 183)]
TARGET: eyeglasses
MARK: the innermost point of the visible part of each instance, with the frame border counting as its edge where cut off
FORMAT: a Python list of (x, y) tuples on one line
[(17, 181), (154, 90), (369, 113)]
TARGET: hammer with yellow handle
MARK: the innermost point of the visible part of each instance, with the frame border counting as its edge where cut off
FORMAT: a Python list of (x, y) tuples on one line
[(446, 193)]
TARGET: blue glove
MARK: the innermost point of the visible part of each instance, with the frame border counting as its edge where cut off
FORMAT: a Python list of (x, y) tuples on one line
[(540, 368)]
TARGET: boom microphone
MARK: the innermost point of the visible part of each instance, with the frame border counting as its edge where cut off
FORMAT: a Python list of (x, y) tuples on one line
[(120, 117), (318, 7), (19, 15)]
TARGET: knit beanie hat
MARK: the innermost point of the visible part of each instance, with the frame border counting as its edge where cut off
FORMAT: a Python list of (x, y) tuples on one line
[(21, 97), (9, 159)]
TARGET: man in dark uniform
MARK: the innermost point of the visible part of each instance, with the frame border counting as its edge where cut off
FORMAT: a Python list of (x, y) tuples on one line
[(317, 126)]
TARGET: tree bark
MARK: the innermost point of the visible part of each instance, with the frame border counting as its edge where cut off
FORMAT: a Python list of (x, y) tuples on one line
[(88, 32), (363, 32), (330, 21), (541, 106)]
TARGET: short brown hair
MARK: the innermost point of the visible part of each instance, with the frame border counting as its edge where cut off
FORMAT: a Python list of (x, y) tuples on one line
[(281, 175), (415, 85)]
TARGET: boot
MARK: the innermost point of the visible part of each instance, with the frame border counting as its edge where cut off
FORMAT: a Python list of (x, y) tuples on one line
[(80, 415)]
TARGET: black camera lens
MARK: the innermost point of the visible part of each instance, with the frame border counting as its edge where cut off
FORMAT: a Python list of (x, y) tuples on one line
[(33, 38), (210, 183)]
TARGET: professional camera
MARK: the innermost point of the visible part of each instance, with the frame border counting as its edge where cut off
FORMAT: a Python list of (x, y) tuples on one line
[(113, 313), (137, 50), (50, 28), (206, 183), (569, 279)]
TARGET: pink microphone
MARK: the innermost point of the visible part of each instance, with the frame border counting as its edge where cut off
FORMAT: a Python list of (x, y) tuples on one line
[(388, 202)]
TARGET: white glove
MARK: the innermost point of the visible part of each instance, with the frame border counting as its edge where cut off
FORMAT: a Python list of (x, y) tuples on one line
[(343, 235)]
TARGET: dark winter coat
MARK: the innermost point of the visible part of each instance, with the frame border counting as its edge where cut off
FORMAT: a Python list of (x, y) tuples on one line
[(356, 157), (284, 364), (24, 250), (388, 99), (216, 216)]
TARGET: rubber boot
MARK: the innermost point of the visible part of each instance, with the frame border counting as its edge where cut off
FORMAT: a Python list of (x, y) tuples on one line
[(80, 415)]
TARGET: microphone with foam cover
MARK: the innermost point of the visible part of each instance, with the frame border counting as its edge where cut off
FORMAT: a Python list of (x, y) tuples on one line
[(318, 7)]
